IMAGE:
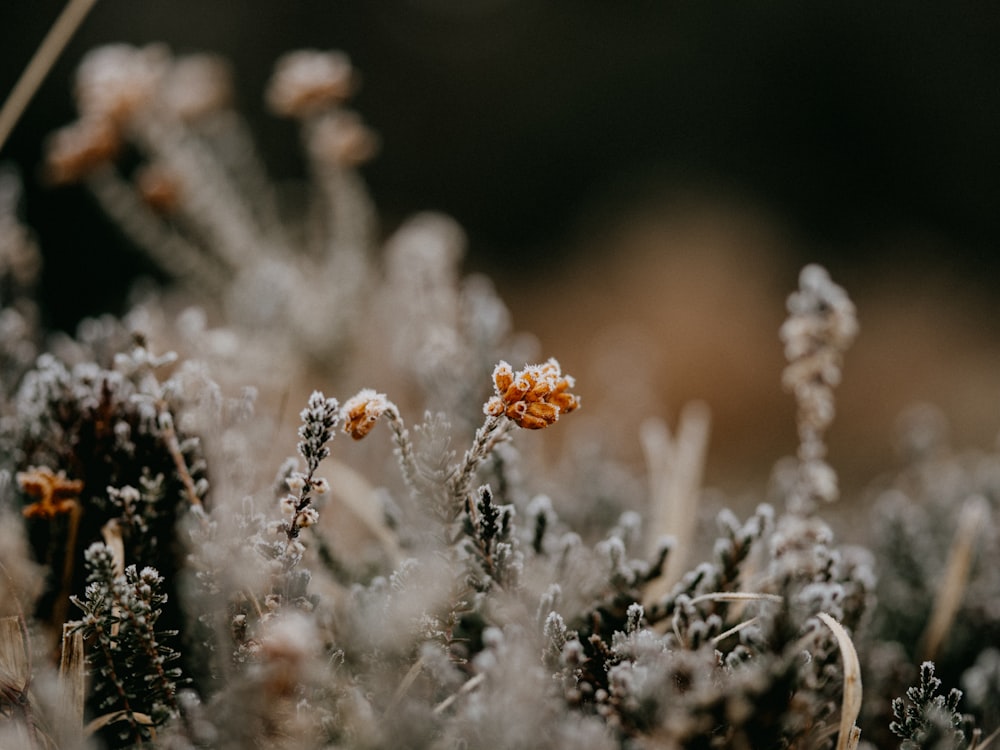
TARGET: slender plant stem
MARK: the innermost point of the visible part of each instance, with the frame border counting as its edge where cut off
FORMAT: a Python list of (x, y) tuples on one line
[(41, 63)]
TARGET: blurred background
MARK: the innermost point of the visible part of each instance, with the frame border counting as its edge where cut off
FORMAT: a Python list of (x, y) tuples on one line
[(643, 181)]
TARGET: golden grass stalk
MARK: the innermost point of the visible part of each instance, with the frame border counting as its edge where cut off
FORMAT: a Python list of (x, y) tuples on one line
[(675, 465), (41, 63), (951, 588), (468, 687), (14, 666), (71, 675), (15, 674), (849, 735)]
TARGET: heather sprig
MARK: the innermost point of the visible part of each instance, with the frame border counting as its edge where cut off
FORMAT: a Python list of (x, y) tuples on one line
[(490, 541), (821, 325), (319, 421), (137, 685), (927, 720)]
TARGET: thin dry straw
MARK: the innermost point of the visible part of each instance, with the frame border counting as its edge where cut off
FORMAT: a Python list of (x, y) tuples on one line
[(41, 63), (468, 687), (675, 464), (952, 586), (72, 674), (851, 704)]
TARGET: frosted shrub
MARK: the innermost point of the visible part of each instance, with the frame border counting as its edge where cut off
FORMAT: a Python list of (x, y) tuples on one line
[(170, 580)]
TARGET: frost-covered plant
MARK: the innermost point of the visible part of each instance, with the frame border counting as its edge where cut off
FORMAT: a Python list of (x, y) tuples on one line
[(449, 589), (131, 657), (926, 720)]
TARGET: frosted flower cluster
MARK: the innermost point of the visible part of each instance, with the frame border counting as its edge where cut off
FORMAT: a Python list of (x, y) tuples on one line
[(533, 397)]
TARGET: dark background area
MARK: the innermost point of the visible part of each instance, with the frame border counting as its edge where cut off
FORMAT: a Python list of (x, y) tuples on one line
[(868, 127)]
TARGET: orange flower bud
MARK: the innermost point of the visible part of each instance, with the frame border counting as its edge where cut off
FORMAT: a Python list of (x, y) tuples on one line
[(361, 412)]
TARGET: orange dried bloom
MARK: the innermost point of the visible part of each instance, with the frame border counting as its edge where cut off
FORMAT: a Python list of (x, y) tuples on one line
[(76, 150), (54, 492), (361, 412), (534, 397)]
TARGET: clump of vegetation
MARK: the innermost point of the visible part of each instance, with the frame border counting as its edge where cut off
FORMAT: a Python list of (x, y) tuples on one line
[(170, 580)]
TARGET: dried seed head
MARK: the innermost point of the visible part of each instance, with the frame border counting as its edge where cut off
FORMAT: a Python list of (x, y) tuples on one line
[(307, 82), (117, 81), (343, 140), (288, 505), (196, 86), (78, 149), (308, 517), (361, 412), (533, 397)]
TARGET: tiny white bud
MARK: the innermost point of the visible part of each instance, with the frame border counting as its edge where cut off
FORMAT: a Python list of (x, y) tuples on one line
[(308, 517)]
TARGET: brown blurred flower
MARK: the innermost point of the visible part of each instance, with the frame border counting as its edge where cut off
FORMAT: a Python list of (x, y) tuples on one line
[(306, 82), (343, 139), (78, 149), (117, 81), (534, 397), (196, 86)]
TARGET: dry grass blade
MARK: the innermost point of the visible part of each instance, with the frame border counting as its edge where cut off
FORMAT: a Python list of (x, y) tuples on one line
[(15, 676), (41, 63), (737, 596), (112, 535), (111, 718), (71, 675), (468, 687), (982, 745), (951, 589), (851, 705), (734, 630), (354, 494), (14, 665), (406, 683), (675, 465)]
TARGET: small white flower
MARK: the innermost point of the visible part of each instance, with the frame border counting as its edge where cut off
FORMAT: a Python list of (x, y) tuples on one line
[(308, 517)]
